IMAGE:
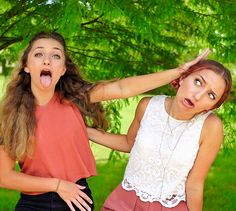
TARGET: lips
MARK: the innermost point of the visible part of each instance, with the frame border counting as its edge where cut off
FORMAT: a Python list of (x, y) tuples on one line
[(46, 78), (188, 103)]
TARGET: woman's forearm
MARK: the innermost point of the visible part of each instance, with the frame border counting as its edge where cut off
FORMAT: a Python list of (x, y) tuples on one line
[(195, 200), (132, 86), (114, 141), (27, 183), (139, 84)]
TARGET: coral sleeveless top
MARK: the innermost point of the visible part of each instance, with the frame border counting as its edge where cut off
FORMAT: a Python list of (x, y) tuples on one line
[(62, 147), (163, 154)]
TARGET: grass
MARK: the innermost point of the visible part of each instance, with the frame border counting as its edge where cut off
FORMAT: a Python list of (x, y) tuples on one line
[(220, 187)]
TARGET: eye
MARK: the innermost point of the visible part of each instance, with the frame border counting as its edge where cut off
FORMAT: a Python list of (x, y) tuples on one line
[(212, 96), (38, 54), (197, 82), (56, 56)]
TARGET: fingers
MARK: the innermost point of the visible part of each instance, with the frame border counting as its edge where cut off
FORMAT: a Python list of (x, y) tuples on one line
[(84, 196), (198, 59), (187, 65), (79, 201), (73, 194), (70, 205), (81, 187), (203, 55)]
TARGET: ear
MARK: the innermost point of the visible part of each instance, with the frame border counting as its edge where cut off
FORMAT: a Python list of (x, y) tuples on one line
[(181, 79), (63, 72), (26, 69)]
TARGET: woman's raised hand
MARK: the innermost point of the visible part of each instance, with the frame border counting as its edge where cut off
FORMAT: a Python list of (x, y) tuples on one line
[(71, 193), (187, 65)]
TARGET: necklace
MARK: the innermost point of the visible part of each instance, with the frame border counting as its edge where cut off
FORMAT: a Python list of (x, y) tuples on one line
[(176, 143), (171, 149), (172, 129), (173, 133)]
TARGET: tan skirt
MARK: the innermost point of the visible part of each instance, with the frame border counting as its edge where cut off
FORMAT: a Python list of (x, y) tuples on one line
[(122, 200)]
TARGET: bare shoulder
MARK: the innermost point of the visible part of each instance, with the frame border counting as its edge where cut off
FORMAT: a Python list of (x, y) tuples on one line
[(212, 129), (213, 122), (142, 105), (144, 101)]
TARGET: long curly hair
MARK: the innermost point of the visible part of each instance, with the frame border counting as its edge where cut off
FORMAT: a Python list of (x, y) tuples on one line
[(17, 111)]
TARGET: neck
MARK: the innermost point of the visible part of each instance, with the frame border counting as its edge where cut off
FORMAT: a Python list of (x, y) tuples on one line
[(43, 97)]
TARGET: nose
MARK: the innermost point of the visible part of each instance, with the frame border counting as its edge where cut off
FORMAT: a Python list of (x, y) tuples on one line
[(46, 60), (198, 95)]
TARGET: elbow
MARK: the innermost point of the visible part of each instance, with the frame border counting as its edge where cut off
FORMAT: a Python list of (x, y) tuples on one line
[(1, 178), (4, 180), (194, 187), (194, 192), (127, 150)]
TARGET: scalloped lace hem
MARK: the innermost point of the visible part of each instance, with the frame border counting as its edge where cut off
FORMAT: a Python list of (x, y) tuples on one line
[(169, 202)]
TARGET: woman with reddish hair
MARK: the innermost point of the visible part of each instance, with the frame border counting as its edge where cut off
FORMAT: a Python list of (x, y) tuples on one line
[(172, 143)]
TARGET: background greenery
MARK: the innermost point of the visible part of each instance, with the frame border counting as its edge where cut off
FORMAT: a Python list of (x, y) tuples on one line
[(119, 38)]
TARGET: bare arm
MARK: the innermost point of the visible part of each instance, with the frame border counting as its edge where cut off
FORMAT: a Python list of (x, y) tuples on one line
[(120, 142), (11, 179), (212, 137), (114, 141), (132, 86)]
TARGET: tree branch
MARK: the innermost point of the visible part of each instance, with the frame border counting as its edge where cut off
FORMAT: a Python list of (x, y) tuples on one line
[(10, 42), (93, 21)]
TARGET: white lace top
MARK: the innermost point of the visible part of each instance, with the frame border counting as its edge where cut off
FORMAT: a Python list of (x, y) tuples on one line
[(162, 156)]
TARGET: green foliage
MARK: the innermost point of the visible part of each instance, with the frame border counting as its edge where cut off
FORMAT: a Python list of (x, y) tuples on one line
[(115, 39), (122, 37)]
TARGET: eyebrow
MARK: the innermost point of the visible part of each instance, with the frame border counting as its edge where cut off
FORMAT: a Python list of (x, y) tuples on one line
[(56, 48), (204, 81)]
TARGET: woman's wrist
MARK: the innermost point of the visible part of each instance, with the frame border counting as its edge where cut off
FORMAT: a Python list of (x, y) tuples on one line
[(181, 69), (58, 185), (176, 72), (55, 184)]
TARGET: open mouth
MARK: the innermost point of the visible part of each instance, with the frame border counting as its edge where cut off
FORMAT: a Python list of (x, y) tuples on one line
[(188, 102), (45, 78)]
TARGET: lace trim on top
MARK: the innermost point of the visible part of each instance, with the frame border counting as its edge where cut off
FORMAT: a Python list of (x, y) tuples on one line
[(170, 201)]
